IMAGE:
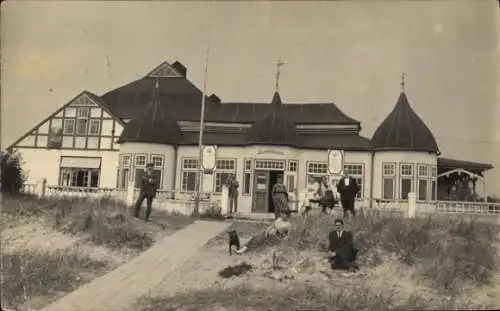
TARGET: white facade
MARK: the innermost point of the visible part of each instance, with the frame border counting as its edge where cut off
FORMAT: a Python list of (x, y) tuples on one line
[(180, 169)]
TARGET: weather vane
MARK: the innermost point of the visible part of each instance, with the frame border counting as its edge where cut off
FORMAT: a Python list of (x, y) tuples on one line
[(278, 65), (403, 75)]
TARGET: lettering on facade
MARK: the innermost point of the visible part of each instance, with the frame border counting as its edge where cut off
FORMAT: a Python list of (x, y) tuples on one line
[(269, 151)]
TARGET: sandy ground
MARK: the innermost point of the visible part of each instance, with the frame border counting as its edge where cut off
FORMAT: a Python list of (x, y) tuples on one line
[(37, 234), (309, 268)]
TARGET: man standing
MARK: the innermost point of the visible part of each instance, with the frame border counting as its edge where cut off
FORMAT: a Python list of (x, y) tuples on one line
[(348, 189), (342, 253), (148, 192), (232, 185)]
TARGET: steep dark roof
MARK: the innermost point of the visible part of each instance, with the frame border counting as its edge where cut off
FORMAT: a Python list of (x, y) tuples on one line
[(154, 125), (403, 130), (184, 99), (275, 127)]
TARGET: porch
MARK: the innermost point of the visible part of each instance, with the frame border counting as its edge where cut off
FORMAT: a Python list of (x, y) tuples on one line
[(459, 180)]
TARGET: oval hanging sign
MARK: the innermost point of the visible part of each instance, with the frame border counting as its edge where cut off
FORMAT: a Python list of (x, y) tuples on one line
[(335, 161), (209, 155)]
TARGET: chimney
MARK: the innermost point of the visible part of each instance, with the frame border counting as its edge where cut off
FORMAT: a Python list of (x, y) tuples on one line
[(215, 98), (180, 68)]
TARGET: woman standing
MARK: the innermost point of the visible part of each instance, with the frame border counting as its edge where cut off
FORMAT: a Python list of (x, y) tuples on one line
[(280, 198), (328, 199)]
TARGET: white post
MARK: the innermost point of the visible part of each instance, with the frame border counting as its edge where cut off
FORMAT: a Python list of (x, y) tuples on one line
[(412, 205), (130, 192), (39, 188), (224, 200)]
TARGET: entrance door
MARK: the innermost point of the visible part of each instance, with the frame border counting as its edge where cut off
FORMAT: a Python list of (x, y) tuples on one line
[(261, 192)]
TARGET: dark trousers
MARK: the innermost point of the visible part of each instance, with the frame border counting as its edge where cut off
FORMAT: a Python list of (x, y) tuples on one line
[(348, 206), (149, 200), (233, 202), (344, 258)]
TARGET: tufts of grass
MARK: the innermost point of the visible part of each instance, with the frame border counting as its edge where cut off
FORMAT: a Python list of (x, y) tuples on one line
[(449, 251), (29, 273), (298, 297), (446, 252), (103, 221)]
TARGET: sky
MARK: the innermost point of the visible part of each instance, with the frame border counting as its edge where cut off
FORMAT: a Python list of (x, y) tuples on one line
[(348, 52)]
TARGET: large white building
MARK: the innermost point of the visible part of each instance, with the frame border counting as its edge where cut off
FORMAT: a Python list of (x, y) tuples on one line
[(106, 141)]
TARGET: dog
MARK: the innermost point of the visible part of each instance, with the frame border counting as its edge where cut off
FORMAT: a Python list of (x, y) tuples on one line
[(234, 240)]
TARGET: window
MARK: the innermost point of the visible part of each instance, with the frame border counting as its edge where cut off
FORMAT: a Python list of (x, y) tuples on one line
[(356, 172), (223, 169), (123, 177), (290, 183), (157, 161), (83, 112), (247, 176), (81, 126), (317, 168), (423, 182), (388, 180), (125, 160), (79, 177), (433, 183), (292, 166), (123, 170), (315, 172), (95, 127), (69, 126), (406, 177), (189, 175), (140, 160), (82, 118), (270, 164)]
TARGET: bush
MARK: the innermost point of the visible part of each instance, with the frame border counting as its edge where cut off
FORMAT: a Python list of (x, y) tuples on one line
[(12, 176), (29, 273)]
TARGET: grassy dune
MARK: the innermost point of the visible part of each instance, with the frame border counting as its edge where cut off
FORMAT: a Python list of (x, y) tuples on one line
[(406, 264), (52, 246)]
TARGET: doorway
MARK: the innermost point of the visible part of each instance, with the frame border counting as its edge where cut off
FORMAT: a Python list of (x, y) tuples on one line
[(263, 186)]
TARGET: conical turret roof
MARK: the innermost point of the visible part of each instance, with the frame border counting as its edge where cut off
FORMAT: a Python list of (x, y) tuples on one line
[(155, 125), (403, 130), (275, 127)]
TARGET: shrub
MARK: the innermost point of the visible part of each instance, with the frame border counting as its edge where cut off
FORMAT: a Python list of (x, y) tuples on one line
[(11, 176), (30, 273)]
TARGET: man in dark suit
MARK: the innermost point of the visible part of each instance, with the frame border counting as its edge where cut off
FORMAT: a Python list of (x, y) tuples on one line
[(232, 185), (342, 253), (148, 191), (348, 189)]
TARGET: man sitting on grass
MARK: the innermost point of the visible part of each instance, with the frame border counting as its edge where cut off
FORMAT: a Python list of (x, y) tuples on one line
[(342, 253), (280, 228)]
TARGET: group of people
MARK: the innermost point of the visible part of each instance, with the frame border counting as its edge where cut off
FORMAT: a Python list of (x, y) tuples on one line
[(342, 253)]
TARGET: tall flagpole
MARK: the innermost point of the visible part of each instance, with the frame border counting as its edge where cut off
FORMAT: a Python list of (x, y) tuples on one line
[(199, 186)]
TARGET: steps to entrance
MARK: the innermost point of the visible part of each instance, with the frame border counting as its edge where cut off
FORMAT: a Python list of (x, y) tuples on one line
[(121, 287)]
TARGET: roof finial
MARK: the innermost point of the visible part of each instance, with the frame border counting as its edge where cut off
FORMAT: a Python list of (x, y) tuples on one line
[(278, 65), (403, 83)]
